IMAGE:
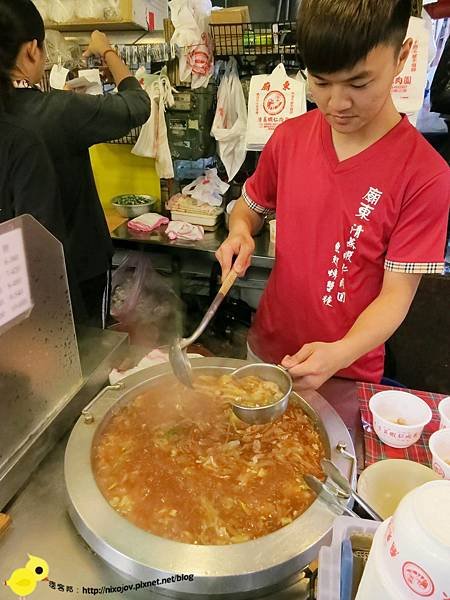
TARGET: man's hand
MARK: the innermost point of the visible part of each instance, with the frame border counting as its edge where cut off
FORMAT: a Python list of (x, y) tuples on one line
[(315, 363), (98, 45), (239, 245)]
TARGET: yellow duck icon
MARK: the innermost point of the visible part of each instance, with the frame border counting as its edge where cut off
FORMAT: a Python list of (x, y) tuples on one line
[(23, 581)]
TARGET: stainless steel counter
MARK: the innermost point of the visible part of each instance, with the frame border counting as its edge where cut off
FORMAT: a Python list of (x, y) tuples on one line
[(264, 252), (42, 527)]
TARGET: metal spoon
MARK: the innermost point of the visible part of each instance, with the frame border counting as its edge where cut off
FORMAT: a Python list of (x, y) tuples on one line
[(328, 497), (181, 365), (341, 481)]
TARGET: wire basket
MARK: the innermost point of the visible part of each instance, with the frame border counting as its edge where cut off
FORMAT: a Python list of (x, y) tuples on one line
[(131, 138), (254, 39)]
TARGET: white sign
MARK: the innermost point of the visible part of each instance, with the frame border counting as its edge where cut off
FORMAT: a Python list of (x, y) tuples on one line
[(15, 297)]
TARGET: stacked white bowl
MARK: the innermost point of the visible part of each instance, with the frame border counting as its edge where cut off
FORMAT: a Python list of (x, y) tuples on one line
[(410, 555)]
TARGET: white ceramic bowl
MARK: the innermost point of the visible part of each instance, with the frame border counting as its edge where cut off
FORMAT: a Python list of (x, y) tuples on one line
[(391, 406), (439, 444), (385, 483), (416, 544), (444, 411)]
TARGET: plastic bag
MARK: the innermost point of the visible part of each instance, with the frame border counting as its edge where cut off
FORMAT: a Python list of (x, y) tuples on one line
[(43, 8), (89, 9), (143, 303), (230, 122), (273, 99), (57, 48), (191, 37), (111, 9), (62, 11), (153, 141), (409, 87), (207, 189)]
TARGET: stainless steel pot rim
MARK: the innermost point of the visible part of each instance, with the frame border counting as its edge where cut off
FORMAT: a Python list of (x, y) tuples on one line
[(238, 567)]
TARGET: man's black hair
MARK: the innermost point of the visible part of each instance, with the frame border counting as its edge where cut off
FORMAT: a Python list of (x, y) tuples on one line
[(334, 35)]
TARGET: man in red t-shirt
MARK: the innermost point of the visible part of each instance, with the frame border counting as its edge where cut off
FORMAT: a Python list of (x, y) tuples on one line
[(361, 201)]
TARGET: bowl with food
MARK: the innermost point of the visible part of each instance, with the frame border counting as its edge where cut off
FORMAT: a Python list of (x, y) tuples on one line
[(133, 205), (399, 417)]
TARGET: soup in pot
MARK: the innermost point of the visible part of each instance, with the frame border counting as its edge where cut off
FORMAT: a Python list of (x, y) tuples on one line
[(179, 464)]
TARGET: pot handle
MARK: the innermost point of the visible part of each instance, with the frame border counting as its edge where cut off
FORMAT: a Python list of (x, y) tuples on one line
[(88, 418)]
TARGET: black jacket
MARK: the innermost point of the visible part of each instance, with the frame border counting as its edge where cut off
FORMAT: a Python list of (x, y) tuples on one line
[(27, 178), (69, 124)]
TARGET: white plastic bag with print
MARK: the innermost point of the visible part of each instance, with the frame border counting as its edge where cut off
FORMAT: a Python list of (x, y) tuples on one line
[(192, 40), (409, 87), (207, 189), (153, 141), (230, 121), (273, 99)]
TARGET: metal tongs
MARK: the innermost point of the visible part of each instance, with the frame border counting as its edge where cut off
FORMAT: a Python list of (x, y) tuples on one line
[(338, 489)]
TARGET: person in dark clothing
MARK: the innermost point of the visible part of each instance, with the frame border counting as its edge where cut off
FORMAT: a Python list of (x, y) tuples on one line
[(69, 124), (27, 179)]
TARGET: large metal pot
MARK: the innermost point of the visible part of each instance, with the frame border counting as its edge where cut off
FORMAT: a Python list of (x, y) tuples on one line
[(238, 571)]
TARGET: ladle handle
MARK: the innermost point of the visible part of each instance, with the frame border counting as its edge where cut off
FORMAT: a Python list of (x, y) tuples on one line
[(228, 283), (223, 291)]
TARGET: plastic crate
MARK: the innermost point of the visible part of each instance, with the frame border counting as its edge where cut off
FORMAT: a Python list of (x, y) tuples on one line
[(329, 579)]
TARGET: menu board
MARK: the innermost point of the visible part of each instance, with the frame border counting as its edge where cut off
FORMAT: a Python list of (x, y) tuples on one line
[(15, 297)]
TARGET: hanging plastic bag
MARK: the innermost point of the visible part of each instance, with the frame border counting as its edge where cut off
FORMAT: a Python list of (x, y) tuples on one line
[(153, 141), (143, 303), (62, 11), (192, 40), (273, 99), (409, 87), (43, 8), (230, 122), (89, 9), (111, 9)]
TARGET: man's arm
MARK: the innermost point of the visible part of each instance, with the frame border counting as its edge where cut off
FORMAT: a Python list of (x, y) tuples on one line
[(315, 363), (244, 223)]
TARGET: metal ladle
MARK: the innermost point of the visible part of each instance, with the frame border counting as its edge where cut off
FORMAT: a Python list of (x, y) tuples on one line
[(179, 360), (257, 415)]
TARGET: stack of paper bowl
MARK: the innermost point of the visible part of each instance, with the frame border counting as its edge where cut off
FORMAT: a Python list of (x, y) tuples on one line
[(410, 555)]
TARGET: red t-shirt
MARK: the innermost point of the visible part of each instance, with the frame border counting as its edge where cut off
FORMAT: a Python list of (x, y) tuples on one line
[(339, 226)]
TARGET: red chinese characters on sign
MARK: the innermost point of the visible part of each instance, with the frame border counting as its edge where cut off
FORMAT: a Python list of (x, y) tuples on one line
[(286, 85), (266, 87), (417, 580)]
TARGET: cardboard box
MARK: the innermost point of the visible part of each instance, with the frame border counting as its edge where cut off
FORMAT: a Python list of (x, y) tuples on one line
[(237, 14), (228, 26), (134, 14)]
